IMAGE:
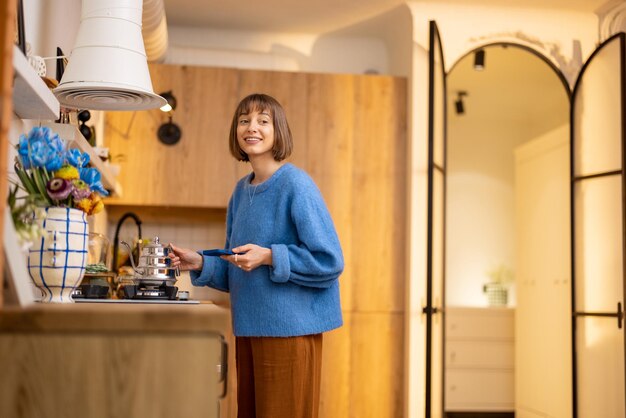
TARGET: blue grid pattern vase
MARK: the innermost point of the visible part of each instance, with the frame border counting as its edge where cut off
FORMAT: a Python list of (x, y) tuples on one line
[(57, 261)]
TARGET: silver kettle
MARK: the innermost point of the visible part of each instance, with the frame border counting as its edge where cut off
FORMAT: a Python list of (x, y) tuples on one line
[(154, 265)]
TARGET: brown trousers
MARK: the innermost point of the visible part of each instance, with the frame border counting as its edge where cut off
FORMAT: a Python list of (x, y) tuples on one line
[(278, 377)]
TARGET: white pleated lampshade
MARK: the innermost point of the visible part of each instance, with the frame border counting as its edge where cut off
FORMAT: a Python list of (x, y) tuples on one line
[(108, 69)]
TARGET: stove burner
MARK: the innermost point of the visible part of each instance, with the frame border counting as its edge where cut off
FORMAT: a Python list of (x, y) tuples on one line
[(142, 291)]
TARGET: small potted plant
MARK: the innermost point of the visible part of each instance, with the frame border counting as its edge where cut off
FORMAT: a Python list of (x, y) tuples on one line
[(497, 289)]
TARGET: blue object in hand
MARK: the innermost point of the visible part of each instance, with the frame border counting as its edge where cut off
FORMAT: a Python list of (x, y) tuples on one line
[(217, 252)]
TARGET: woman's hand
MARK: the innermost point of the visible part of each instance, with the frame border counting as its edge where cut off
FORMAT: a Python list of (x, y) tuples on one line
[(250, 256), (185, 259)]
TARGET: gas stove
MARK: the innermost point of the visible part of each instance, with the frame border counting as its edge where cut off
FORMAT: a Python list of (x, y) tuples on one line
[(149, 291)]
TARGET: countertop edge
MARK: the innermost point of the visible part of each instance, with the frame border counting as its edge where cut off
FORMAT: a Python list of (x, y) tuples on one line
[(116, 318)]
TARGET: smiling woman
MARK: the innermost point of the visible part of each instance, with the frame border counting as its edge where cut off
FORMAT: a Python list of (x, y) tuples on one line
[(283, 275)]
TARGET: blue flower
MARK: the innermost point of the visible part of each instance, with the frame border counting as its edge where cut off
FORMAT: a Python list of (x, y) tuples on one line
[(92, 177), (49, 172), (76, 158), (41, 148)]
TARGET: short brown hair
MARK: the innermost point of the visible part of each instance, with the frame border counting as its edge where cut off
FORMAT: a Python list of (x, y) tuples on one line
[(283, 142)]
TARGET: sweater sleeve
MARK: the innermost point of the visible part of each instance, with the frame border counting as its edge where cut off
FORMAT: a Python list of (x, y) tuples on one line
[(316, 260), (214, 271)]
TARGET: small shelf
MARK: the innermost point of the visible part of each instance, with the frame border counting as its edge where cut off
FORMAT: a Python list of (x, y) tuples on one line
[(32, 99), (75, 139)]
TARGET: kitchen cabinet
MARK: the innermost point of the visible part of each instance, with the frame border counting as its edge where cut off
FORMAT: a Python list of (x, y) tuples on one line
[(90, 360), (479, 374)]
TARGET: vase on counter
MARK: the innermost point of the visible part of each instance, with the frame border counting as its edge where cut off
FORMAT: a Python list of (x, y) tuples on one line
[(57, 260)]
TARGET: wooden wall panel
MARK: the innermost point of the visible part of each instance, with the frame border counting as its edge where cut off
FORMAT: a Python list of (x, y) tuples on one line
[(155, 174), (376, 365), (379, 195), (7, 32), (330, 140), (335, 399)]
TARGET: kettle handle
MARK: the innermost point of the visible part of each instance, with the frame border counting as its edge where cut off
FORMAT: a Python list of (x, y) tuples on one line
[(171, 250)]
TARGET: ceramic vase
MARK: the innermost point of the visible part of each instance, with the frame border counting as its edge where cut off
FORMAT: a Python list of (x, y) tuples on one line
[(497, 294), (57, 261)]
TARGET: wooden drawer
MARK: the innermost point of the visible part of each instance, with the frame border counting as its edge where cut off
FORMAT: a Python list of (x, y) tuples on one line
[(479, 390), (473, 354), (486, 324)]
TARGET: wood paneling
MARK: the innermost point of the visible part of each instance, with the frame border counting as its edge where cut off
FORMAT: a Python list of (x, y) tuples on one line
[(199, 170), (7, 32), (379, 194), (376, 365), (330, 137), (335, 394), (350, 136)]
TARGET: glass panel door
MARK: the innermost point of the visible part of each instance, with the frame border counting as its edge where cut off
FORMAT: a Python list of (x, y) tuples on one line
[(598, 228), (435, 274)]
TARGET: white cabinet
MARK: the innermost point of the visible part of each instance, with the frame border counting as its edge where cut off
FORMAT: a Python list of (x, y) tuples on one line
[(479, 359)]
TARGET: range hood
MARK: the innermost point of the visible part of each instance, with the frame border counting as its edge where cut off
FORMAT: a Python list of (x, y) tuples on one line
[(108, 68)]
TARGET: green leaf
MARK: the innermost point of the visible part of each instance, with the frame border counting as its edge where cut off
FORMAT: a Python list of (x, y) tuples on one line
[(41, 185), (26, 182)]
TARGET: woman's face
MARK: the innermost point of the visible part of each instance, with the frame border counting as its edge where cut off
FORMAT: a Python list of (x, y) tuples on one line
[(255, 133)]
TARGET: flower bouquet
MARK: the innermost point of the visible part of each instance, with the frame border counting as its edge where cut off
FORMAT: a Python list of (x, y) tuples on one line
[(53, 175), (60, 191)]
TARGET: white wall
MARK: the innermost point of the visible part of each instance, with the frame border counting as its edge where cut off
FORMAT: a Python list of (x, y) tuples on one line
[(51, 24), (276, 51), (464, 27), (480, 213)]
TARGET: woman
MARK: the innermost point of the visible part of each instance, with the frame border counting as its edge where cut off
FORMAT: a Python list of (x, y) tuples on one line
[(283, 276)]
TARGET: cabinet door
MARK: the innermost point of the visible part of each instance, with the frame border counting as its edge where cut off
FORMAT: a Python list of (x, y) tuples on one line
[(102, 376), (198, 171)]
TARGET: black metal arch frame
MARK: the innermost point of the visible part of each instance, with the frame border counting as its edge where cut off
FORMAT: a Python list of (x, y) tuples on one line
[(429, 310), (526, 48), (574, 179)]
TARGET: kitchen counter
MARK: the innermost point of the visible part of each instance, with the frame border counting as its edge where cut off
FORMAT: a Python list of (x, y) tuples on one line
[(116, 360), (89, 317)]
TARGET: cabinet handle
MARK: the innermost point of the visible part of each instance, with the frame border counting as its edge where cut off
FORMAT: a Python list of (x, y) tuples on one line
[(223, 367)]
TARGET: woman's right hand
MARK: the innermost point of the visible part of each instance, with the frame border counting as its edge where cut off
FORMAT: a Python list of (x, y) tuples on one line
[(185, 259)]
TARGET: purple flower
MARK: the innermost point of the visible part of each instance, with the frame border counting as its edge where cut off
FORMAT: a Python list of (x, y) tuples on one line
[(80, 190), (58, 189)]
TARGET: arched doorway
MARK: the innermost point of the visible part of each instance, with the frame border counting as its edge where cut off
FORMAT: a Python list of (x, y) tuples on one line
[(507, 217)]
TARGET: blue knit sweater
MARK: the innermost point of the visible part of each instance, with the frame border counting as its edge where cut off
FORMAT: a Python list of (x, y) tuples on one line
[(299, 293)]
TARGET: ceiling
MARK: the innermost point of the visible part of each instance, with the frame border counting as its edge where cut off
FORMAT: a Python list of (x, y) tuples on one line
[(507, 90), (317, 16)]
